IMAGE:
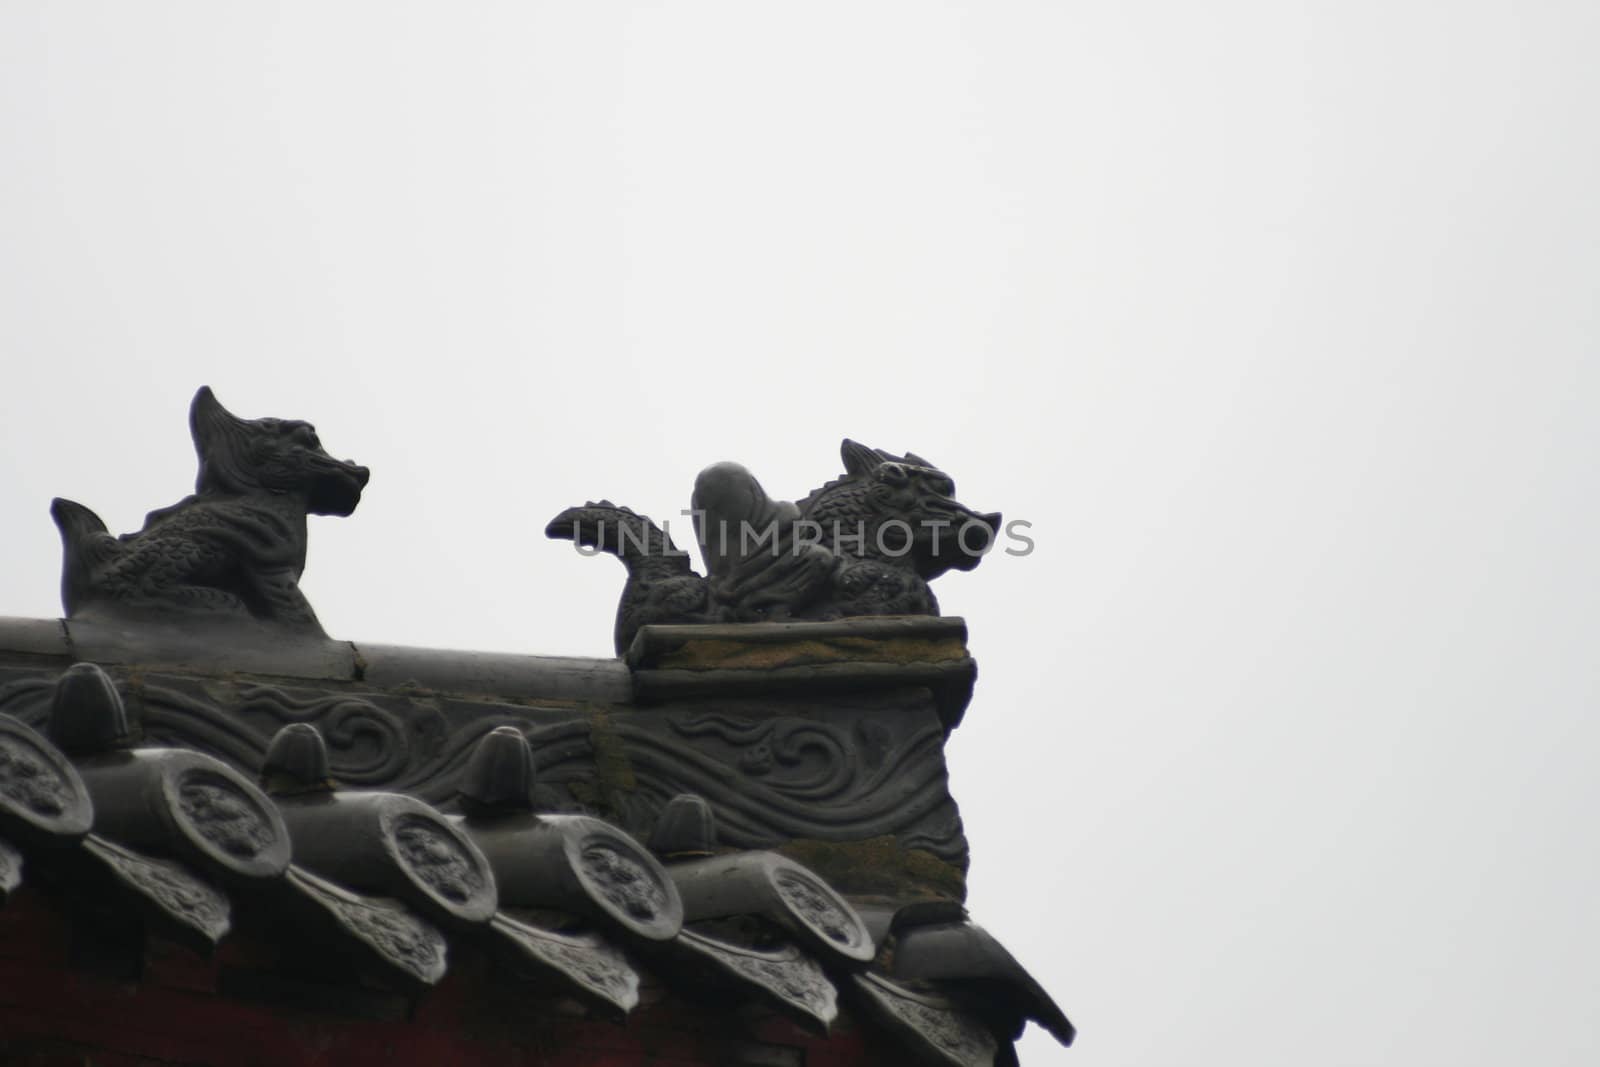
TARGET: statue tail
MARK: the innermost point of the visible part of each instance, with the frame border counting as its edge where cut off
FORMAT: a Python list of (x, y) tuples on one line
[(642, 546), (85, 545)]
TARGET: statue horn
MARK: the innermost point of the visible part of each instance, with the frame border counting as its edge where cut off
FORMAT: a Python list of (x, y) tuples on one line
[(858, 458), (217, 434)]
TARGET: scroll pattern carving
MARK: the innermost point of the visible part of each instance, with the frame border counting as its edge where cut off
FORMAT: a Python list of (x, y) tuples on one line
[(786, 778), (368, 746), (769, 780), (586, 960), (181, 895), (27, 698), (957, 1038), (787, 974), (394, 932)]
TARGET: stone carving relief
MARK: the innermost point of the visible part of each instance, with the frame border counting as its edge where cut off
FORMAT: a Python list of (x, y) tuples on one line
[(785, 973), (29, 781), (39, 790), (774, 780), (370, 745), (769, 779), (622, 880), (438, 860), (180, 894), (816, 905), (388, 927), (956, 1037), (224, 815), (582, 958)]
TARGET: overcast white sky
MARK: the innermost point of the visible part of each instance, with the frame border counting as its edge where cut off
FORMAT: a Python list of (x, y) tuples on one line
[(1277, 320)]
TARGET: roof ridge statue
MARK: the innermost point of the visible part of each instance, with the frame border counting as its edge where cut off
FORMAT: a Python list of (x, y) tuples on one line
[(865, 543), (234, 549)]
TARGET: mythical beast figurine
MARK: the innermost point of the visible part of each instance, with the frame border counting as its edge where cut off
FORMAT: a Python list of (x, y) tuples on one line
[(234, 549), (867, 543)]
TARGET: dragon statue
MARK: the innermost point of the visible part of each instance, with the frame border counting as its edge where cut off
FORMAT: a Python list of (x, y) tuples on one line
[(234, 549), (866, 543)]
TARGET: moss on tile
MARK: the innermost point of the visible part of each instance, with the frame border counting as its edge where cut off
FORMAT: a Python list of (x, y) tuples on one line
[(613, 769), (714, 653), (878, 865)]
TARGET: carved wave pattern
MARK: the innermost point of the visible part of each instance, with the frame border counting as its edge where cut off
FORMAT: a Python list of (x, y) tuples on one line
[(769, 780), (564, 745), (27, 699), (367, 745), (345, 723), (790, 778)]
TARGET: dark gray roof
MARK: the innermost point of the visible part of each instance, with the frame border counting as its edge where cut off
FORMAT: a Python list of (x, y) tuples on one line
[(189, 843)]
